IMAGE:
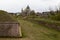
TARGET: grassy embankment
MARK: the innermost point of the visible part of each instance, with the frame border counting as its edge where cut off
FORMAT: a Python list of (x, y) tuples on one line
[(45, 22), (33, 31)]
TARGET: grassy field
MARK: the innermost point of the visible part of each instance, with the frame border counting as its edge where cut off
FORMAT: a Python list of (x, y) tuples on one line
[(33, 31), (45, 20)]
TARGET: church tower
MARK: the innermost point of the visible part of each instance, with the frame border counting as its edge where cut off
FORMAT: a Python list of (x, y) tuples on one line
[(22, 10), (27, 10)]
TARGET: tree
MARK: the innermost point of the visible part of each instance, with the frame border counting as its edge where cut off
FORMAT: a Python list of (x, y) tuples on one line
[(32, 13)]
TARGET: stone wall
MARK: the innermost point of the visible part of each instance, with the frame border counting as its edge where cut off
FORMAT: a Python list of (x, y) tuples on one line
[(9, 29)]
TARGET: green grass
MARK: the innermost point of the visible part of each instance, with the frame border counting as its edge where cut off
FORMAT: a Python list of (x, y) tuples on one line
[(4, 17), (32, 31), (49, 21)]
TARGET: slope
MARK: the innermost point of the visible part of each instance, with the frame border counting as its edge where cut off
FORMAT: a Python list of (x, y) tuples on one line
[(5, 17), (33, 31)]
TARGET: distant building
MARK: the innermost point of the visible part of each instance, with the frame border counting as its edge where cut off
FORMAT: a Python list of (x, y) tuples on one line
[(14, 14), (26, 11)]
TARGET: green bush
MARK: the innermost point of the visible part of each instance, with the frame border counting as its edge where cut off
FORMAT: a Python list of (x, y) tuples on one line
[(56, 17)]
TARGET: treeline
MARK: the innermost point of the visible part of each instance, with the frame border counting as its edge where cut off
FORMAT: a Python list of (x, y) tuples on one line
[(54, 15)]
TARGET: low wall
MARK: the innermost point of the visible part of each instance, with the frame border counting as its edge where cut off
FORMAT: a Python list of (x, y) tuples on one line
[(9, 29)]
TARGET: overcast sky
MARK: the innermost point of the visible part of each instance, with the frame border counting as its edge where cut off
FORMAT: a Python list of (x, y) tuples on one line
[(37, 5)]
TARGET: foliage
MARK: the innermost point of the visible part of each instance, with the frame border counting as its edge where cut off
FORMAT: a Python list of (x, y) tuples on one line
[(56, 17)]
